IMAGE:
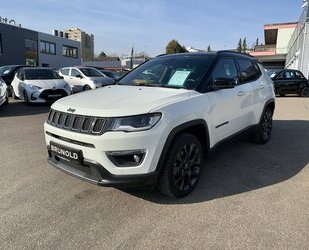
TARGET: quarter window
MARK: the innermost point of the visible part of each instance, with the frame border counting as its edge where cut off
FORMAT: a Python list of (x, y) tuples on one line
[(225, 69), (248, 71), (69, 51), (65, 71), (48, 48)]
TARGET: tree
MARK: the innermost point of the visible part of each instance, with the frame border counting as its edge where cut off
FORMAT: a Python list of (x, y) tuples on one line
[(239, 47), (257, 42), (174, 47), (209, 48), (244, 46), (101, 56)]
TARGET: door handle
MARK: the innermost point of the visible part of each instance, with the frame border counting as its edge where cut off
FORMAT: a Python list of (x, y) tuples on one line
[(261, 86), (241, 93)]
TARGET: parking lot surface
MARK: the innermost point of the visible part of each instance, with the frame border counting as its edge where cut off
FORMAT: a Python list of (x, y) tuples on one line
[(249, 196)]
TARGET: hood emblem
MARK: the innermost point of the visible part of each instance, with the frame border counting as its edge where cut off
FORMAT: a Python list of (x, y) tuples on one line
[(71, 110)]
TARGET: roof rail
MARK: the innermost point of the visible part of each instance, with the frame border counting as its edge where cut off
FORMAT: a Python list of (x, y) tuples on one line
[(234, 52)]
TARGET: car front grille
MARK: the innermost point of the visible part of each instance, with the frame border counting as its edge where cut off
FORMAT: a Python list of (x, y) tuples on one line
[(76, 123)]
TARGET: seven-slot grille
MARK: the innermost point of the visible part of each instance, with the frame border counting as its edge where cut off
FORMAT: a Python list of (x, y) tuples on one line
[(76, 123)]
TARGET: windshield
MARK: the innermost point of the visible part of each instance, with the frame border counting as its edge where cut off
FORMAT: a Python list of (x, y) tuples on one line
[(5, 70), (170, 72), (90, 72), (41, 74)]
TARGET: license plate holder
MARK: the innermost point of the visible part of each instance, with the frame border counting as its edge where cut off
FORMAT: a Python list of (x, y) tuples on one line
[(67, 153)]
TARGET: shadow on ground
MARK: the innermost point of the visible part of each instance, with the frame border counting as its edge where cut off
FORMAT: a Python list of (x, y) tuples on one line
[(19, 108), (239, 166)]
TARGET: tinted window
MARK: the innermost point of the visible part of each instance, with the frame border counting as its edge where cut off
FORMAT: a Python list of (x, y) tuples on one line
[(248, 71), (170, 72), (75, 72), (225, 69), (65, 71), (1, 44), (41, 74), (286, 75), (91, 72), (299, 75)]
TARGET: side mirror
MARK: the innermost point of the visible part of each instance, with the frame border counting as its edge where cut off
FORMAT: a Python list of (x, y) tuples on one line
[(223, 83), (79, 76), (22, 78)]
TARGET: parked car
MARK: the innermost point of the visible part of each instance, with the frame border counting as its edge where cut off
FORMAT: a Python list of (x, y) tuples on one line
[(114, 74), (155, 129), (291, 82), (7, 73), (39, 85), (4, 96), (85, 77)]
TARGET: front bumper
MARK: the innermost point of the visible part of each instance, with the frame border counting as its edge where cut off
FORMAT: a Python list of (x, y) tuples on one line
[(95, 173)]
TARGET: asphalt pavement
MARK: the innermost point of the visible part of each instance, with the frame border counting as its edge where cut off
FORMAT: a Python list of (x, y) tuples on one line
[(249, 196)]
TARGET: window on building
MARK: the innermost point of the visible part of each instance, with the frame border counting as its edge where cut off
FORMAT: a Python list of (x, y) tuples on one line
[(69, 51), (31, 52), (1, 44), (47, 47)]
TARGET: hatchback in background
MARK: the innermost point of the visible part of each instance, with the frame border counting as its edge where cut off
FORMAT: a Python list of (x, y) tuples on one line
[(291, 82), (39, 85), (114, 74), (7, 73), (85, 78), (4, 97)]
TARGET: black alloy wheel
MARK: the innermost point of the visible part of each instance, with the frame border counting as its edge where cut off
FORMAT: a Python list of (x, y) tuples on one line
[(182, 167), (264, 129), (304, 92)]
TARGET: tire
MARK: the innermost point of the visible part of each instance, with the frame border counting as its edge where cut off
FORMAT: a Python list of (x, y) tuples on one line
[(26, 98), (304, 92), (263, 132), (86, 87), (180, 174), (14, 95), (7, 99)]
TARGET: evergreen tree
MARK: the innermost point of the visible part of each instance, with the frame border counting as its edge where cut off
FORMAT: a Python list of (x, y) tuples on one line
[(209, 48), (239, 46), (244, 46), (257, 42)]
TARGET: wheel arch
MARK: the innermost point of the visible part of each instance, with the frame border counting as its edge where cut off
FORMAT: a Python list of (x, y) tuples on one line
[(197, 128)]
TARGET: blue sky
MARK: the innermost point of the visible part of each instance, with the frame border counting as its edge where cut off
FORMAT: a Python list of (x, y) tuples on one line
[(149, 25)]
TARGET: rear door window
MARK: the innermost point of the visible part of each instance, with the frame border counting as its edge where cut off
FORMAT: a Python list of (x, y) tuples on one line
[(248, 71)]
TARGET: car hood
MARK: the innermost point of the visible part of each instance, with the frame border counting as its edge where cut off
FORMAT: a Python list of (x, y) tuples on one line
[(47, 84), (113, 101)]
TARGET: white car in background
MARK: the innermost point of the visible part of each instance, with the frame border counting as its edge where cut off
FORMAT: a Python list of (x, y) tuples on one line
[(4, 97), (39, 85), (85, 78)]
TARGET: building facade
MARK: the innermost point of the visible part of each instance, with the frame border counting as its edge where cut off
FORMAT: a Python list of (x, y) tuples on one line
[(277, 39), (86, 40), (27, 47), (298, 54)]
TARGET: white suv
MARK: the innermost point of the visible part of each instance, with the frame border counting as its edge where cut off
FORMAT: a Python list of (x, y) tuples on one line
[(155, 127), (85, 78)]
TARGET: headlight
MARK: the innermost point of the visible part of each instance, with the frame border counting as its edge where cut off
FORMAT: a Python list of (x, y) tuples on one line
[(33, 87), (134, 123)]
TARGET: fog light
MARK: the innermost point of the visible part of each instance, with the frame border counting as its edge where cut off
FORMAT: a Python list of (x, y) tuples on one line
[(131, 158)]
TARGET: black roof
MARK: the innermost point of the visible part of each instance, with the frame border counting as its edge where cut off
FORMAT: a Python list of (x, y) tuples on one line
[(216, 53)]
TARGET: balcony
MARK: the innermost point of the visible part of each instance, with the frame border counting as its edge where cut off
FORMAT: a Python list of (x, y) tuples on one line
[(264, 50)]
